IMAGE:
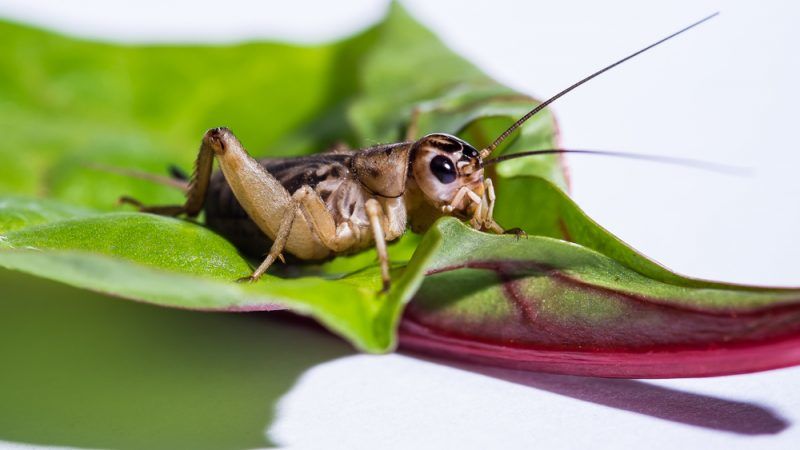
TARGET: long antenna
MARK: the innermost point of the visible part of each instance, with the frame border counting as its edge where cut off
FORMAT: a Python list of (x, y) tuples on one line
[(488, 150), (687, 162)]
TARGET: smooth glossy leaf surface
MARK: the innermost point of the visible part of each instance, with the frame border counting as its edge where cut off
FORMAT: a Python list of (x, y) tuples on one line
[(21, 212)]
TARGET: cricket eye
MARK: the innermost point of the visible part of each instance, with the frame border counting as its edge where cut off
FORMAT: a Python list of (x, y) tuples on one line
[(443, 169)]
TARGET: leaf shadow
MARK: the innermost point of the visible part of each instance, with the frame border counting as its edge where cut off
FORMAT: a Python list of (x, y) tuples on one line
[(641, 397), (81, 369)]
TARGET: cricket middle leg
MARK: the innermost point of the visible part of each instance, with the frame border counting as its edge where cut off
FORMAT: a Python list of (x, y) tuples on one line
[(375, 215)]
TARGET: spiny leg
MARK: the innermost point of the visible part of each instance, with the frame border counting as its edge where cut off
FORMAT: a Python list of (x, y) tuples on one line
[(477, 220), (281, 237), (494, 226), (491, 225), (265, 200), (489, 187), (196, 193), (306, 201), (462, 192), (374, 213)]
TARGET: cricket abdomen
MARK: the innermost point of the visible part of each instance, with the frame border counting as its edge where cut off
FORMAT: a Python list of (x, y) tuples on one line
[(327, 174)]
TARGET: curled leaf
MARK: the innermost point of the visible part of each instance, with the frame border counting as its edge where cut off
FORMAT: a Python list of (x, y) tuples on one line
[(546, 304)]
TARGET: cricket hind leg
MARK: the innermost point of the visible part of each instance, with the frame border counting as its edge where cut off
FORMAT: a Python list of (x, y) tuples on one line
[(279, 244), (307, 202), (196, 193), (339, 238)]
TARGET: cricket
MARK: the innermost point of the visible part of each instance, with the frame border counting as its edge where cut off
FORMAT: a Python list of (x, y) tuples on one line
[(345, 201)]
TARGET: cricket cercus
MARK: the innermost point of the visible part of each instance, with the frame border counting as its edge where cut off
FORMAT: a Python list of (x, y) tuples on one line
[(345, 201)]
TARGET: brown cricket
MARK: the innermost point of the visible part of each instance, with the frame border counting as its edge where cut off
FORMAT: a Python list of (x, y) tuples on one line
[(345, 201)]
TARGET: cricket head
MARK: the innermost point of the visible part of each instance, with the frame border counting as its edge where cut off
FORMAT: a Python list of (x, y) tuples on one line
[(447, 169), (446, 173)]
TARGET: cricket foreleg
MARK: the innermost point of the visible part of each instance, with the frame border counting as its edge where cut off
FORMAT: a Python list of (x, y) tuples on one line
[(457, 199), (491, 197), (195, 195), (490, 224), (375, 215)]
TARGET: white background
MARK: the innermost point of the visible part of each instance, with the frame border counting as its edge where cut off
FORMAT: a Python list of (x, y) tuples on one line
[(725, 92)]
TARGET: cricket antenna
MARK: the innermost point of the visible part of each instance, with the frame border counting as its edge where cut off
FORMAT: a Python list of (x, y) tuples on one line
[(488, 150), (686, 162)]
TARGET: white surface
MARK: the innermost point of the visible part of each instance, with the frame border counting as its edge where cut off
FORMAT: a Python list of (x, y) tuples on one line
[(725, 92), (400, 402)]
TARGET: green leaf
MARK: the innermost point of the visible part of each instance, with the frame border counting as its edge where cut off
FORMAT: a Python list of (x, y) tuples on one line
[(72, 106), (20, 212), (176, 263)]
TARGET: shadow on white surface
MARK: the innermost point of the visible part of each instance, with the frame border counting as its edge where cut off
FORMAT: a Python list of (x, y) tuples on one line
[(641, 397)]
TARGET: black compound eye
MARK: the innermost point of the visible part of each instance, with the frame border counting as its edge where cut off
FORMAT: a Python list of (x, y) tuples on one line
[(470, 152), (443, 169)]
